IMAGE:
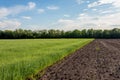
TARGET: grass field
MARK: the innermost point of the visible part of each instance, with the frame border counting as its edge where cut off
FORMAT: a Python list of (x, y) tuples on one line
[(22, 58)]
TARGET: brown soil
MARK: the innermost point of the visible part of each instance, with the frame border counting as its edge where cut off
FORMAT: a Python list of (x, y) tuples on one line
[(99, 60)]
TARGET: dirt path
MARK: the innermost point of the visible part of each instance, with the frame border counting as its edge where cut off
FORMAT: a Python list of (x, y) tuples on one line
[(100, 60)]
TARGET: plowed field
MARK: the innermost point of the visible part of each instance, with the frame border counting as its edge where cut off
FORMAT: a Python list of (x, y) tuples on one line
[(99, 60)]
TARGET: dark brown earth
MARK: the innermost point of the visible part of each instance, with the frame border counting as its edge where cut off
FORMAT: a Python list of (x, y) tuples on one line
[(99, 60)]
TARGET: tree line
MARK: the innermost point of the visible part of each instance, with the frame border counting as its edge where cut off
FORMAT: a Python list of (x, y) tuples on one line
[(29, 34)]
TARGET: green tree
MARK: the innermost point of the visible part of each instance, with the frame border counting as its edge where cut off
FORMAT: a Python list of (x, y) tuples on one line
[(76, 34)]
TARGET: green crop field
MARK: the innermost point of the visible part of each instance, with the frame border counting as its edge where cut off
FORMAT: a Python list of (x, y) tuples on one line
[(26, 57)]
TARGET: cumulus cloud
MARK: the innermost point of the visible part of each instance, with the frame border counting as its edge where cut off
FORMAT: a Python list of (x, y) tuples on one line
[(9, 24), (31, 5), (53, 7), (85, 21), (67, 24), (6, 11), (114, 3)]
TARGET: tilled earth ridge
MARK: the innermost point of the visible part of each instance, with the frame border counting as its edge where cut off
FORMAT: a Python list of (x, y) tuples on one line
[(99, 60)]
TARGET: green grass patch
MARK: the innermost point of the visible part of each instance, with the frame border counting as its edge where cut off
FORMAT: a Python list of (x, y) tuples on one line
[(22, 58)]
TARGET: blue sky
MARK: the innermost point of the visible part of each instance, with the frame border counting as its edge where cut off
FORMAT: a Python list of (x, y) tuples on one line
[(59, 14)]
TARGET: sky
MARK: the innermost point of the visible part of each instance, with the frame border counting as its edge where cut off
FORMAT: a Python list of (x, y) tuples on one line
[(59, 14)]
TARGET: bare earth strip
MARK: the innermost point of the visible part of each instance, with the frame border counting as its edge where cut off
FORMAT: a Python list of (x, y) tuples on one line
[(100, 60)]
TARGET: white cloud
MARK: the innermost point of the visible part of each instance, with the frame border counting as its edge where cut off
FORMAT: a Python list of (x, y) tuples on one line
[(65, 21), (26, 17), (34, 27), (9, 24), (31, 5), (17, 9), (93, 4), (53, 7), (115, 3), (6, 11), (82, 14), (106, 12), (84, 21), (94, 9), (66, 24), (41, 11)]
